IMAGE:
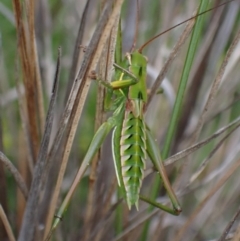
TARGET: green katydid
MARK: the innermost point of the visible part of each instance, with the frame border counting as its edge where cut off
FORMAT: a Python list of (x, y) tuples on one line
[(132, 140)]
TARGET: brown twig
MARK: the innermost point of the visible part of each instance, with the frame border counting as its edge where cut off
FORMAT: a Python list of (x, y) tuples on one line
[(6, 224)]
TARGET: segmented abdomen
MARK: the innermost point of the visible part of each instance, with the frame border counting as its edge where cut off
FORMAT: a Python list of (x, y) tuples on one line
[(133, 156)]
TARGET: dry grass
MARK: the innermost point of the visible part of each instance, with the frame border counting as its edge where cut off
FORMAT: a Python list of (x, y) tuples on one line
[(49, 115)]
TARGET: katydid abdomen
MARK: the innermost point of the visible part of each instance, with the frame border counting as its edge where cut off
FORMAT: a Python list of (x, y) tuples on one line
[(133, 154), (129, 136)]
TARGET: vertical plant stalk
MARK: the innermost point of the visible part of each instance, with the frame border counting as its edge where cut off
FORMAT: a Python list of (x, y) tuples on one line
[(212, 94), (98, 119), (25, 125), (184, 79), (53, 154), (109, 64), (35, 67), (3, 180), (107, 211), (28, 55), (91, 197), (6, 224), (197, 72), (158, 81), (31, 211), (105, 73), (183, 82), (77, 49), (134, 225), (78, 96)]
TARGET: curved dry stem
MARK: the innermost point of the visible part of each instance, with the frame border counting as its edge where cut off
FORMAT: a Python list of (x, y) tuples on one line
[(17, 176), (236, 236), (170, 59), (215, 86), (206, 161), (219, 184), (191, 149), (228, 228)]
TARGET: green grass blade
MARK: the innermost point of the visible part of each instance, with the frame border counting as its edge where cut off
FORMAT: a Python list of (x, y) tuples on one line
[(179, 99), (184, 79)]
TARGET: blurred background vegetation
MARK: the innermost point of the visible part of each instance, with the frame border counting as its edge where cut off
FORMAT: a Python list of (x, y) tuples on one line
[(206, 181)]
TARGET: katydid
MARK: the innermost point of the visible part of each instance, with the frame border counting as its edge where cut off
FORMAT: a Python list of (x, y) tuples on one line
[(132, 140)]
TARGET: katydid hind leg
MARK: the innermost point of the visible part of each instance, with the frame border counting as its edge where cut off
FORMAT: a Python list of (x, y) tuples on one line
[(116, 135), (95, 144), (159, 205), (154, 154)]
